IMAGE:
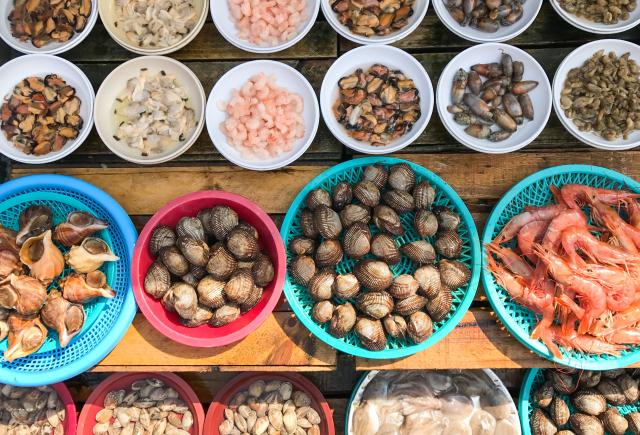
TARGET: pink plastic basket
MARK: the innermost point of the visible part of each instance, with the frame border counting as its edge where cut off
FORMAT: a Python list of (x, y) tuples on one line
[(70, 417)]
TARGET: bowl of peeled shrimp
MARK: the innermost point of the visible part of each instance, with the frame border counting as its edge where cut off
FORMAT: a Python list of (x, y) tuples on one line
[(562, 265), (264, 27)]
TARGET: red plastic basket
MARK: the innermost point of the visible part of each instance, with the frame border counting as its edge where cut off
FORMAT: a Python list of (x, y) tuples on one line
[(207, 336), (117, 381), (70, 417), (215, 414)]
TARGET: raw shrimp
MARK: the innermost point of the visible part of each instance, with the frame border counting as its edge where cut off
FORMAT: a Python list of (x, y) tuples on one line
[(268, 23), (633, 210), (624, 336), (515, 224), (576, 195), (531, 233), (627, 236), (619, 284), (575, 238), (617, 322), (566, 219), (514, 262), (585, 343)]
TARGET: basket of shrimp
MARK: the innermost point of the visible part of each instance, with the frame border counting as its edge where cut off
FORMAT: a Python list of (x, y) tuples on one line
[(562, 265)]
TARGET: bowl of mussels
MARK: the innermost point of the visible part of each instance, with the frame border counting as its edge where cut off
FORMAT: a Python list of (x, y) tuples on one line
[(383, 257), (208, 268)]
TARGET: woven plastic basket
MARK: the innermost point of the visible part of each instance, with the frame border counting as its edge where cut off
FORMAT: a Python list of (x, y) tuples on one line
[(300, 300), (534, 190), (107, 319)]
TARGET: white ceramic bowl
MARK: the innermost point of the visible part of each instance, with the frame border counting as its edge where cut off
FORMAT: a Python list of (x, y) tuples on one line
[(364, 57), (540, 96), (108, 16), (51, 48), (598, 28), (575, 59), (116, 82), (286, 77), (41, 65), (225, 23), (419, 11), (504, 33)]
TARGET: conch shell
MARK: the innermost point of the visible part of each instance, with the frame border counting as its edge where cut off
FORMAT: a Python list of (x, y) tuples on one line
[(26, 336), (89, 255), (9, 263), (23, 293), (63, 316), (79, 225), (34, 220), (83, 288), (42, 257)]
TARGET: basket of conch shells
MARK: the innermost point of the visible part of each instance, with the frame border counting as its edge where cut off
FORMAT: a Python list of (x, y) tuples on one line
[(208, 268), (383, 257), (269, 403), (65, 298), (142, 403), (447, 402)]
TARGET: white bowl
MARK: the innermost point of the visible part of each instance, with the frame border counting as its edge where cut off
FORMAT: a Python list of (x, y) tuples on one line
[(41, 65), (116, 82), (52, 47), (108, 16), (419, 11), (364, 57), (225, 23), (286, 77), (504, 33), (575, 59), (598, 28), (540, 96)]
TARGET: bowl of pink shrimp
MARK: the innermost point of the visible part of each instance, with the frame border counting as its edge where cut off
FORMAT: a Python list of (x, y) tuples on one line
[(562, 265)]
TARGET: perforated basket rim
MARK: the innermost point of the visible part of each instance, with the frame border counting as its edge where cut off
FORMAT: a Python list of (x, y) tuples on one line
[(128, 311), (489, 284), (523, 400), (441, 185)]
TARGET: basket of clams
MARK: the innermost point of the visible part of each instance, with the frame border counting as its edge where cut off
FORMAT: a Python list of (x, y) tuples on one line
[(208, 268), (383, 257), (269, 403)]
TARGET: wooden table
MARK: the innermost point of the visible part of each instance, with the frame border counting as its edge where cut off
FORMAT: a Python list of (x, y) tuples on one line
[(282, 343)]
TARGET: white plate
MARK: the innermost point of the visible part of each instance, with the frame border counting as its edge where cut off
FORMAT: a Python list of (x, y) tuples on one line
[(419, 11), (52, 47), (286, 77), (540, 96), (504, 33), (364, 57), (108, 17), (116, 82), (575, 59), (225, 24), (598, 28), (41, 65)]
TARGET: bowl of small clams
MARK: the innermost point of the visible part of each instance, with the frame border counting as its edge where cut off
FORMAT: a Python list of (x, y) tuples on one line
[(208, 268), (609, 17), (383, 256), (136, 403), (269, 403)]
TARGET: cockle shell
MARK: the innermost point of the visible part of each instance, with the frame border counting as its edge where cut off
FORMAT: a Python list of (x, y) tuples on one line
[(182, 299), (373, 275), (302, 269), (173, 259), (544, 395), (162, 237), (341, 195), (83, 288), (425, 223), (302, 246), (419, 326), (222, 220), (401, 177), (211, 292), (239, 286), (410, 305), (225, 315), (221, 262), (559, 411), (263, 270), (377, 174), (327, 222), (367, 193), (589, 378), (629, 387), (439, 307), (42, 257), (448, 244), (62, 316), (614, 423), (323, 311), (385, 248), (202, 316), (371, 333), (613, 373), (376, 304), (192, 227), (196, 251), (353, 213), (329, 253), (26, 336), (33, 221), (563, 382), (321, 284), (346, 286), (453, 274), (420, 251), (448, 220), (611, 392), (429, 280), (633, 418), (386, 219), (395, 326), (318, 197), (79, 224), (242, 244), (343, 320), (307, 224), (586, 424), (399, 200), (23, 293), (357, 240), (403, 286), (589, 402), (423, 195), (90, 255), (254, 297), (541, 424), (249, 228)]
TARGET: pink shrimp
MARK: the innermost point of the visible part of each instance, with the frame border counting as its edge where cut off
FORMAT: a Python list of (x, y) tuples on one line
[(633, 210), (566, 219), (622, 231), (514, 262), (624, 336), (515, 224), (575, 238), (557, 196), (529, 234), (585, 343), (619, 284), (575, 195), (617, 322)]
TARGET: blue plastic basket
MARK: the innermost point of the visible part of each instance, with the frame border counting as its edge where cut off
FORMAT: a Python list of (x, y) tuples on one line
[(534, 190), (300, 300), (107, 319)]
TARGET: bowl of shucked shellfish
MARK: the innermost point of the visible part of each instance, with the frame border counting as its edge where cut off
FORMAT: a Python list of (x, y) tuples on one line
[(158, 27), (233, 275)]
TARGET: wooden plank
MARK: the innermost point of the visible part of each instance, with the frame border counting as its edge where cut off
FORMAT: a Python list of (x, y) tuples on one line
[(280, 341)]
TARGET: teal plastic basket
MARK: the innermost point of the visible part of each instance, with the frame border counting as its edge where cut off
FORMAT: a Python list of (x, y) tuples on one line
[(298, 295), (534, 379), (106, 319), (520, 321)]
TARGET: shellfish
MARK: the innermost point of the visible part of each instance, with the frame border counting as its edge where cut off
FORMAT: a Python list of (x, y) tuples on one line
[(42, 257), (26, 336), (367, 193), (346, 286), (302, 269), (318, 197), (341, 195), (439, 307), (425, 223), (196, 251), (302, 246), (321, 284), (225, 315), (403, 286), (190, 227), (242, 244), (420, 251), (357, 240), (23, 293), (423, 195), (202, 316), (79, 224), (239, 286), (9, 263), (419, 326), (66, 318), (157, 280), (376, 304), (453, 274), (182, 299), (385, 248), (399, 200), (377, 174), (402, 177), (254, 298), (429, 281), (323, 311), (211, 292), (448, 244), (395, 326), (263, 270), (371, 333), (34, 220), (222, 220), (81, 289), (353, 213), (329, 253), (162, 237), (221, 262), (89, 255), (410, 305), (327, 222), (343, 320), (173, 259), (386, 219), (373, 275)]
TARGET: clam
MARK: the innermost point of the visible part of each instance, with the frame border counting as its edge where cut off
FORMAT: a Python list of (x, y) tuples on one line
[(453, 274), (224, 315), (419, 326), (84, 288), (611, 392), (211, 292), (448, 244), (375, 304), (614, 423), (320, 285), (204, 215), (403, 286), (26, 335), (633, 418), (559, 411), (341, 195), (327, 222), (190, 227), (157, 280), (423, 195), (395, 326), (242, 244), (249, 228), (343, 320), (589, 378), (90, 255), (420, 251), (613, 373), (198, 272), (9, 263), (263, 270), (563, 383), (399, 200), (589, 402), (357, 240), (429, 281), (425, 223), (439, 307), (329, 253), (171, 257), (190, 279), (222, 220), (346, 286), (254, 298), (386, 219), (373, 275), (239, 286), (544, 395), (448, 220), (323, 311), (79, 224), (302, 246), (182, 299), (42, 257), (410, 305), (384, 247), (302, 269), (629, 387), (162, 237), (377, 174), (318, 197), (201, 317), (62, 316), (367, 193), (353, 213), (541, 424), (371, 333), (586, 424), (307, 224), (33, 221), (401, 177), (221, 262), (22, 293), (196, 251)]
